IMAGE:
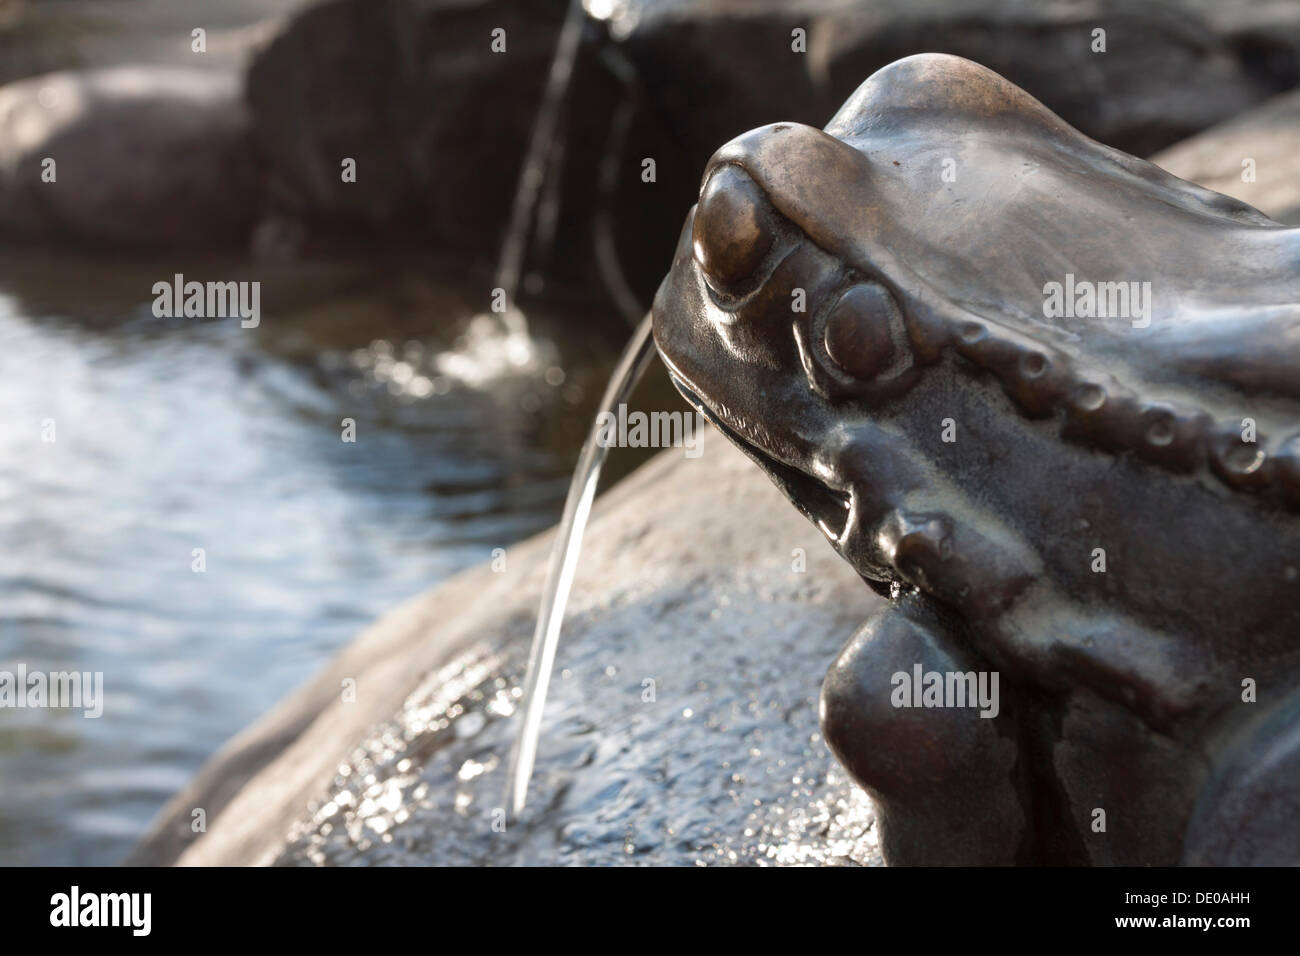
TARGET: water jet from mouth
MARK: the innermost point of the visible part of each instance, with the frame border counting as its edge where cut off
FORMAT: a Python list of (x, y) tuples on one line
[(564, 561)]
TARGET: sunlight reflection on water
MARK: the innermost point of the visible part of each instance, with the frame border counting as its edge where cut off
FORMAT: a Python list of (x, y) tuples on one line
[(172, 435)]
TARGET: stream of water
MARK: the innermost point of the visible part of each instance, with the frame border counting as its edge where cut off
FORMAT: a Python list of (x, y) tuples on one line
[(564, 561)]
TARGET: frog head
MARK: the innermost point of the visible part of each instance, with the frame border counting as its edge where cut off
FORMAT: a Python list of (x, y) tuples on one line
[(946, 233)]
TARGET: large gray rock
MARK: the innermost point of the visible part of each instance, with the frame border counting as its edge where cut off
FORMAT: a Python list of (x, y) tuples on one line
[(687, 580), (1255, 158), (144, 158)]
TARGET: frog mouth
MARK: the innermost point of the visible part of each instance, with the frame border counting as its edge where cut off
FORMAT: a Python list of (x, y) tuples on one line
[(830, 510)]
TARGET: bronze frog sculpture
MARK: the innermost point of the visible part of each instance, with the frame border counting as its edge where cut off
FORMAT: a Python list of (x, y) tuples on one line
[(1046, 397)]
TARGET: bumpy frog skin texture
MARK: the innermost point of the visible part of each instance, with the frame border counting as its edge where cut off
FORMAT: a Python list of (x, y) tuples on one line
[(1105, 511)]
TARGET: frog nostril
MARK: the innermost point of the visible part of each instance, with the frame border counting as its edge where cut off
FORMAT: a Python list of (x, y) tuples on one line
[(731, 235)]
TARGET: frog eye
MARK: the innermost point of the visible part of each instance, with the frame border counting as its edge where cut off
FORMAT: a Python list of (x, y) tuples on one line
[(857, 332), (731, 234)]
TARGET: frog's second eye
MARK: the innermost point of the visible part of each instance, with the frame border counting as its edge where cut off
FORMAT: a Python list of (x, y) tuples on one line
[(857, 332), (731, 235)]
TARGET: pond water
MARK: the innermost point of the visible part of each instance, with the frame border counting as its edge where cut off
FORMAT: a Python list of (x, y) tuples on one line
[(171, 435)]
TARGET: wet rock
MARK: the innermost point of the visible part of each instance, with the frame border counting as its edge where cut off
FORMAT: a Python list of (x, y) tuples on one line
[(681, 727), (141, 157), (1255, 158)]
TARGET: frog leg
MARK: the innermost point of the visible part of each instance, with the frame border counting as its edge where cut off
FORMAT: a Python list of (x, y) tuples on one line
[(1109, 789), (1246, 813), (943, 778)]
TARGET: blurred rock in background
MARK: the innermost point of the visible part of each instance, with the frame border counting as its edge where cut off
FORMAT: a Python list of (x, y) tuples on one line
[(438, 123), (127, 158), (1254, 158)]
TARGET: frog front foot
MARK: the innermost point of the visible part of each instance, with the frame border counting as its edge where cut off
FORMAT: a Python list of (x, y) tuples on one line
[(912, 758)]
